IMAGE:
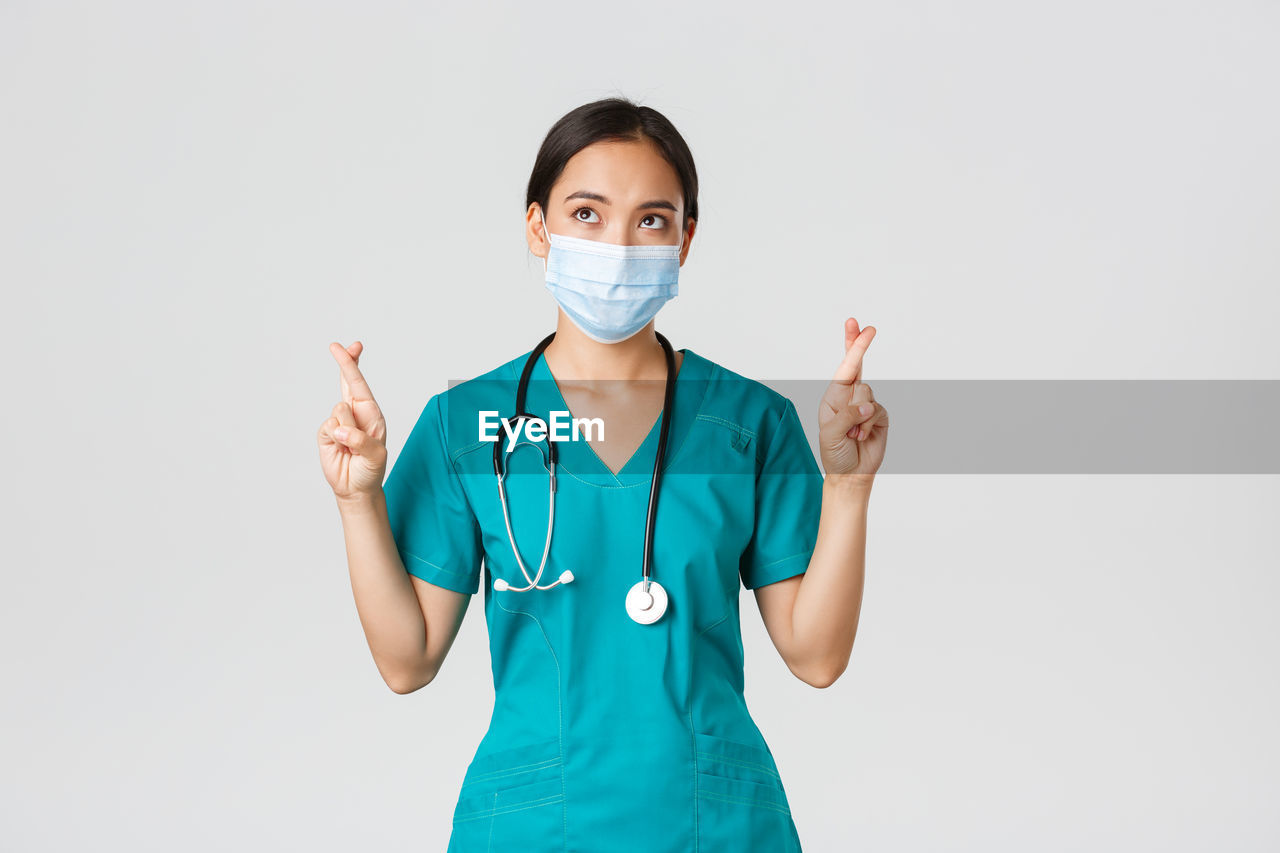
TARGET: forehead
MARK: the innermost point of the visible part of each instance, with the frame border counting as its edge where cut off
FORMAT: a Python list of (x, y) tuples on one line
[(624, 172)]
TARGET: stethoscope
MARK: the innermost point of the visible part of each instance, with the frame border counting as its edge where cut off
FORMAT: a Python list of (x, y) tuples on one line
[(647, 600)]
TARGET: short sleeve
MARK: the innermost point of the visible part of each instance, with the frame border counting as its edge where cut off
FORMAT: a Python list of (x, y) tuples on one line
[(432, 523), (788, 506)]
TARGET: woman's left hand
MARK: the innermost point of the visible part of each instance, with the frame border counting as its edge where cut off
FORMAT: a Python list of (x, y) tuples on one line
[(852, 441)]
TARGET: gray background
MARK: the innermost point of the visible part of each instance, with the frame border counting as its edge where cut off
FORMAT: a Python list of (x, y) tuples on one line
[(195, 199)]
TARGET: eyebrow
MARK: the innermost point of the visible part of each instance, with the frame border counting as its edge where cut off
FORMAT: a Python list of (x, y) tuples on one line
[(657, 202)]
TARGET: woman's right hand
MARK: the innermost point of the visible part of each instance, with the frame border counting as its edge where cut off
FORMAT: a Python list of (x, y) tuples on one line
[(353, 449)]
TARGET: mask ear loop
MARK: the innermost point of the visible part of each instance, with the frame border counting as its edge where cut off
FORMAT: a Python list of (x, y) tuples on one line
[(548, 233)]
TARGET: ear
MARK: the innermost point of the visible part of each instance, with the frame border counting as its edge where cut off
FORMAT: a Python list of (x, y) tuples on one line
[(690, 226), (535, 234)]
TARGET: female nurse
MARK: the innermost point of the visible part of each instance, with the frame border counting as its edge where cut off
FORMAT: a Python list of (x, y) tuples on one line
[(611, 599)]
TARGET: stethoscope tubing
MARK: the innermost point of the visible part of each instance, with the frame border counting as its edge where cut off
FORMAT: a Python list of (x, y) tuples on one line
[(667, 400), (551, 522)]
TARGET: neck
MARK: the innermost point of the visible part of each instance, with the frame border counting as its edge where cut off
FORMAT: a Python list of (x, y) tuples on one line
[(574, 356)]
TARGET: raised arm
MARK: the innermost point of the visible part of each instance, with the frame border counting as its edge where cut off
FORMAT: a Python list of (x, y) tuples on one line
[(813, 618), (408, 623)]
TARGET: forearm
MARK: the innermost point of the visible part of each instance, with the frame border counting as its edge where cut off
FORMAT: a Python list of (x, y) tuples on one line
[(825, 615), (389, 609)]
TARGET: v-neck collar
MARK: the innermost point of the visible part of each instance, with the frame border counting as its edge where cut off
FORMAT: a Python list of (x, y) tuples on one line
[(580, 459)]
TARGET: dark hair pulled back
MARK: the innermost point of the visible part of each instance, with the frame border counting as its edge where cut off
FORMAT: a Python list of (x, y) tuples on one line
[(611, 119)]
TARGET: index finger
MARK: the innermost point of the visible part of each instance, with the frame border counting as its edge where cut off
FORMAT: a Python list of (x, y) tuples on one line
[(355, 351), (352, 378)]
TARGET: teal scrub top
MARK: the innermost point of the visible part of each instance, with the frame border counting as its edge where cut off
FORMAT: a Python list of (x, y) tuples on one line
[(606, 734)]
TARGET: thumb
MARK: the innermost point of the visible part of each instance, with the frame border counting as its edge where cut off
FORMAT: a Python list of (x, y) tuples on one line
[(845, 418), (353, 438)]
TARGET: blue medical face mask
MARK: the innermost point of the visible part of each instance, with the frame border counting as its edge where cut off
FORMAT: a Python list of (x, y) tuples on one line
[(610, 292)]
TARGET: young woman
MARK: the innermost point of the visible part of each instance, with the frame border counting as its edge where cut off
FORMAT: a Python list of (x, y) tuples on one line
[(619, 721)]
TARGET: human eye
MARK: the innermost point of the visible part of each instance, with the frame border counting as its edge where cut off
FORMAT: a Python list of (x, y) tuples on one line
[(659, 217), (588, 210)]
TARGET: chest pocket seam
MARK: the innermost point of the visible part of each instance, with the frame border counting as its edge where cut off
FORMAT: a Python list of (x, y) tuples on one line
[(713, 624)]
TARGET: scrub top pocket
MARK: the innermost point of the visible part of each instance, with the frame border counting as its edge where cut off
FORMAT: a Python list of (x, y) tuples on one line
[(739, 786), (511, 798)]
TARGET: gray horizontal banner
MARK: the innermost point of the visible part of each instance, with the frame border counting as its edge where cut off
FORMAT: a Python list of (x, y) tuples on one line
[(1003, 426), (1070, 426)]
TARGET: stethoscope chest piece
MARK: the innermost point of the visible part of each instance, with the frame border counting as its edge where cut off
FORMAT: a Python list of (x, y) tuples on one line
[(646, 607)]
